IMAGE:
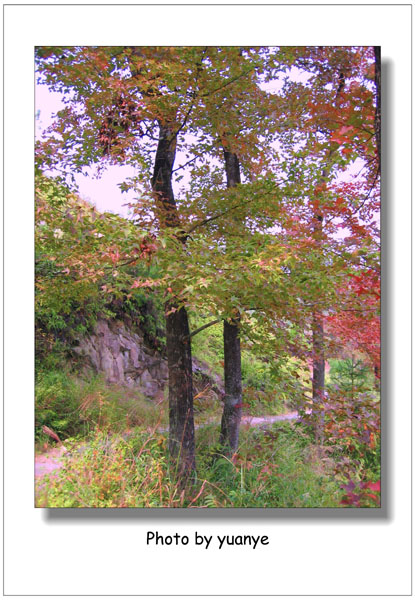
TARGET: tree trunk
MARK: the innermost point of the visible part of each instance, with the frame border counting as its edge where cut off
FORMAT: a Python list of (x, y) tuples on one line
[(318, 347), (378, 99), (179, 361), (232, 168), (232, 411), (179, 356), (318, 376), (318, 327), (318, 358)]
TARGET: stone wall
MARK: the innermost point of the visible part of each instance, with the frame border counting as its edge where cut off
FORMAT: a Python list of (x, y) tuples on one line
[(120, 353)]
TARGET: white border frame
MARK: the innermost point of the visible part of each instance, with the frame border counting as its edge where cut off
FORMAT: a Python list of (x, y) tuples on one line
[(312, 554)]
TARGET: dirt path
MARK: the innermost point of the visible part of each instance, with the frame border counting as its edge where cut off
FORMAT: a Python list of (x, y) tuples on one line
[(52, 461), (49, 461), (256, 421)]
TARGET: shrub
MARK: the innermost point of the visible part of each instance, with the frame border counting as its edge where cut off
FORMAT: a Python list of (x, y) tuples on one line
[(72, 406), (255, 372), (350, 376), (57, 396), (349, 427), (271, 469)]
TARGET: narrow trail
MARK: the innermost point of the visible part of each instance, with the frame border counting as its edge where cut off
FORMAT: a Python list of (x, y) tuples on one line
[(265, 420), (51, 461)]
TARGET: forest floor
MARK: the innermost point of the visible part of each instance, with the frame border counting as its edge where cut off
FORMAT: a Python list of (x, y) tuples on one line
[(51, 460)]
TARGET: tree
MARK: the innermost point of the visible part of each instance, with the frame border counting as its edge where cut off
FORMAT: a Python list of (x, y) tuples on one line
[(232, 411), (377, 122), (351, 375), (259, 250), (234, 73), (337, 104), (117, 98), (179, 355)]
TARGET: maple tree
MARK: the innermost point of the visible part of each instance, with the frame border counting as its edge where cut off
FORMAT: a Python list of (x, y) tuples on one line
[(232, 410), (281, 249), (118, 97), (109, 106), (229, 126), (338, 106)]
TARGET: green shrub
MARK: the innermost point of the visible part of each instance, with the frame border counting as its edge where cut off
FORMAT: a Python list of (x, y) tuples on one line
[(350, 375), (72, 406), (255, 372), (207, 345), (274, 468), (57, 396)]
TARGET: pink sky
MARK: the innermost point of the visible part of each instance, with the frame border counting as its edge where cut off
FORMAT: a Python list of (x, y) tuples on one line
[(104, 192)]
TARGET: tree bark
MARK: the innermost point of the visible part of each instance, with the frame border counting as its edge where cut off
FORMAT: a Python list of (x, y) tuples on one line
[(178, 346), (378, 102), (318, 358), (318, 331), (318, 376), (232, 411), (232, 169), (318, 348), (181, 421)]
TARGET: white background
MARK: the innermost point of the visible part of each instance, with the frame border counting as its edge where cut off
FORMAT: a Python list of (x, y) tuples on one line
[(309, 552)]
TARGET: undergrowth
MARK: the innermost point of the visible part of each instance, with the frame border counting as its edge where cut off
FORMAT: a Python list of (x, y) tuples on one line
[(117, 448), (74, 407), (272, 468)]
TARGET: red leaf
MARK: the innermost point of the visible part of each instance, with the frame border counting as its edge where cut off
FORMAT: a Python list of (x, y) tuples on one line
[(374, 486), (345, 129)]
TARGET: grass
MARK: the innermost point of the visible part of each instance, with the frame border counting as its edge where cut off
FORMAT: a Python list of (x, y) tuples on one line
[(272, 468), (117, 453), (75, 407)]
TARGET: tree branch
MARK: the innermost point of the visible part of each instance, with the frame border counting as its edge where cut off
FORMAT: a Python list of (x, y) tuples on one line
[(228, 82), (192, 159), (199, 329), (217, 216)]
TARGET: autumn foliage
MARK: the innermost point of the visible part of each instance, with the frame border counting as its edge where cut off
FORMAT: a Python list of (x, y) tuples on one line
[(293, 241)]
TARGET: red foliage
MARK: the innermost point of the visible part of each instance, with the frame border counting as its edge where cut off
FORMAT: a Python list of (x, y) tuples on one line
[(357, 494)]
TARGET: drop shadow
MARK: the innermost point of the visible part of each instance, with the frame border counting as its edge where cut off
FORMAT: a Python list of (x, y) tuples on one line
[(247, 515)]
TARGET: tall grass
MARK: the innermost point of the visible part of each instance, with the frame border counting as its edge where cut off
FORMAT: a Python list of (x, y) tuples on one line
[(117, 455), (75, 407), (271, 469)]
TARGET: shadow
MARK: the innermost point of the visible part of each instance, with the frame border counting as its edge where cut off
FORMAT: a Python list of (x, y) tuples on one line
[(386, 227), (242, 515), (247, 515)]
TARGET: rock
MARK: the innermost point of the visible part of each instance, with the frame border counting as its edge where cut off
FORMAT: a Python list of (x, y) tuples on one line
[(203, 376), (121, 354)]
